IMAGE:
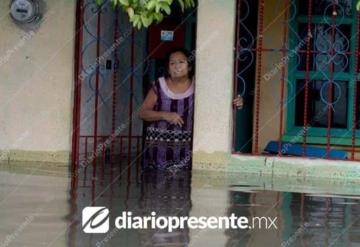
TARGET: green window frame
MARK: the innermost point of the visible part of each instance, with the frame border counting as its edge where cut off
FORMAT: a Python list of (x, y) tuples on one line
[(318, 135)]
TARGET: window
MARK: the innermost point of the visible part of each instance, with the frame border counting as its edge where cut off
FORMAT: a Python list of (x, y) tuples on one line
[(328, 65)]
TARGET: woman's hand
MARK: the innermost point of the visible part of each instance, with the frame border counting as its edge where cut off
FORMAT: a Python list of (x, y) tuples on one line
[(173, 117), (238, 102)]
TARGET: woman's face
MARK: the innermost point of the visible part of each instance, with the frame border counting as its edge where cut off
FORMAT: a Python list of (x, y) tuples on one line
[(178, 65)]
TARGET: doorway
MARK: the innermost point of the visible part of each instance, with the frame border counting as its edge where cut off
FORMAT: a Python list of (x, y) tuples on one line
[(244, 73), (114, 65)]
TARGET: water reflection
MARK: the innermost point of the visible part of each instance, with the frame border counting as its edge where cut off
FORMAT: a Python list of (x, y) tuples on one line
[(303, 219), (166, 193), (37, 200)]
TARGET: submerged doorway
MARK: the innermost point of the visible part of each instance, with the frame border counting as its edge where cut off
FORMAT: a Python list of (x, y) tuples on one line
[(244, 73), (114, 66)]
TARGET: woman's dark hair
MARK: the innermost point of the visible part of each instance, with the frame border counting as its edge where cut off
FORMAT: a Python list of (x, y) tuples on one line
[(190, 59)]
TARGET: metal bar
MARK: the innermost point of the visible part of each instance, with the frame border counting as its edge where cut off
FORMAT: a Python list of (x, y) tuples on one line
[(236, 65), (94, 157), (78, 84), (121, 137), (86, 149), (283, 70), (102, 168), (258, 76), (307, 77), (107, 136), (73, 206), (302, 216), (138, 155), (302, 207), (331, 82), (93, 190), (131, 95), (355, 101), (97, 86), (299, 51), (103, 150), (114, 80)]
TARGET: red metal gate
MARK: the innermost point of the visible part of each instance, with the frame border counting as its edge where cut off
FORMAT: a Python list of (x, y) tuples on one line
[(109, 66), (305, 26)]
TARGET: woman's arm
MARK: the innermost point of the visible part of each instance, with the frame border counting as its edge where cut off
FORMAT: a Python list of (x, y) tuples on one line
[(147, 112)]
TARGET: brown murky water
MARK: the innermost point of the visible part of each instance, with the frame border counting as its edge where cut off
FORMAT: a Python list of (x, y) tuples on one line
[(41, 205)]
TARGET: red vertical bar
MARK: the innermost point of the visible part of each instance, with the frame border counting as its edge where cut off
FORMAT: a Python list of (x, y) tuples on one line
[(84, 176), (302, 207), (97, 88), (111, 189), (284, 54), (78, 84), (94, 157), (103, 139), (115, 70), (131, 95), (138, 138), (302, 210), (355, 102), (93, 190), (236, 65), (128, 185), (86, 150), (331, 82), (258, 76), (73, 209), (103, 149), (121, 148), (307, 76)]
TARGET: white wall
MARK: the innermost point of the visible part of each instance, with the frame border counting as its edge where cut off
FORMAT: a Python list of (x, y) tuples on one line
[(214, 82), (36, 88)]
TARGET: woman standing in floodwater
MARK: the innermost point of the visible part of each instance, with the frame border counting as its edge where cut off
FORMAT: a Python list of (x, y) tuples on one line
[(169, 106)]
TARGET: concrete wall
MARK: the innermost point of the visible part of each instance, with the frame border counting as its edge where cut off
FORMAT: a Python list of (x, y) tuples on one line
[(36, 89), (214, 83)]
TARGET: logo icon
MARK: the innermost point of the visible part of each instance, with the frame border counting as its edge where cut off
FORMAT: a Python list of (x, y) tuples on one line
[(95, 220)]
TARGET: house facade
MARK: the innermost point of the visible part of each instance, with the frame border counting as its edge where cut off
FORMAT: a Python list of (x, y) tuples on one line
[(72, 87)]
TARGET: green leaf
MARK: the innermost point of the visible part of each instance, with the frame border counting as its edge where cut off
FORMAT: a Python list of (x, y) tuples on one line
[(136, 18), (130, 12), (146, 21), (151, 5), (181, 2), (157, 7), (157, 16), (142, 13), (189, 3), (358, 6), (139, 25), (161, 18), (124, 2), (167, 9), (135, 22), (113, 4), (168, 2)]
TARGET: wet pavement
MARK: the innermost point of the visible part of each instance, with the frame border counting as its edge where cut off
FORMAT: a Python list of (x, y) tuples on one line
[(41, 205)]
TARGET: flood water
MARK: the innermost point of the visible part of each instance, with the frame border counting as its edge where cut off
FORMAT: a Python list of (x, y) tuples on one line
[(41, 205)]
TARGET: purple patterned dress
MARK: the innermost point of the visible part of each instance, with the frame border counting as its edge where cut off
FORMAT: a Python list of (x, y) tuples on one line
[(168, 145)]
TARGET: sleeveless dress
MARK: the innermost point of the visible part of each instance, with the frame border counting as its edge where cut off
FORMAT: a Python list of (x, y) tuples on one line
[(168, 145)]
